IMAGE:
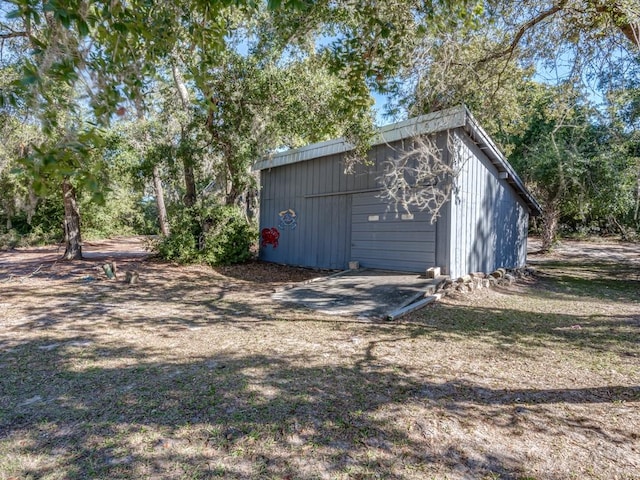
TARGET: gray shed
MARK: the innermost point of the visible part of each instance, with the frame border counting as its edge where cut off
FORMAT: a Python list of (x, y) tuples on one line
[(313, 214)]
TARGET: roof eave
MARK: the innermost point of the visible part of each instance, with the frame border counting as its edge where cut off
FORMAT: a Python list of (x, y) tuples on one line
[(482, 139)]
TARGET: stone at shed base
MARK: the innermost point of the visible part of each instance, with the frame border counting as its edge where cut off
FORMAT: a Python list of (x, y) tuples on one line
[(499, 273), (433, 272)]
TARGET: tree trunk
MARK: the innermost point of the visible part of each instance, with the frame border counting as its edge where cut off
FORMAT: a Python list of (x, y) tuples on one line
[(550, 218), (190, 182), (162, 210), (157, 181), (73, 242), (31, 205), (187, 161)]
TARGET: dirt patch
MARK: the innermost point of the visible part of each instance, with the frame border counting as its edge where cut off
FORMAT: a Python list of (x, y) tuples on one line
[(596, 249), (197, 373), (24, 261)]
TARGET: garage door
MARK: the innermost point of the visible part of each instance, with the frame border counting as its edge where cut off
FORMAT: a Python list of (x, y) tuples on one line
[(382, 237)]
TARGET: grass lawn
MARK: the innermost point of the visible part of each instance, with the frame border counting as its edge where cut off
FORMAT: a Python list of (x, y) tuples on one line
[(195, 373)]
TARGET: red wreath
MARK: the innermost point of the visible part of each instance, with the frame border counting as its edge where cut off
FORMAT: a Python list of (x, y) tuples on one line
[(270, 236)]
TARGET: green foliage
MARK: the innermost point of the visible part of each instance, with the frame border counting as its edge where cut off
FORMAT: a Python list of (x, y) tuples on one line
[(229, 236), (43, 227), (216, 235), (580, 170), (181, 245), (120, 214)]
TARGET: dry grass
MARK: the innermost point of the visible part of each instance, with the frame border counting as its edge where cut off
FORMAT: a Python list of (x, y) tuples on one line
[(195, 373)]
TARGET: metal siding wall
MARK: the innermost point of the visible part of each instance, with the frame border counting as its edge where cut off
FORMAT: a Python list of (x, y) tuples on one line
[(489, 220), (321, 238), (443, 225), (329, 233), (337, 234), (391, 242)]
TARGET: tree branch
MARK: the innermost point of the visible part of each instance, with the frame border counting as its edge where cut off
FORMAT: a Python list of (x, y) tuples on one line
[(523, 29), (5, 36), (626, 20)]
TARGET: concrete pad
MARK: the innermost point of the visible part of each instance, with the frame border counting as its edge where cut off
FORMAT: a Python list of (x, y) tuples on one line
[(364, 293)]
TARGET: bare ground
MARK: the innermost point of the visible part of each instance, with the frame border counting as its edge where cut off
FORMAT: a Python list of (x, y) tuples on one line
[(196, 373)]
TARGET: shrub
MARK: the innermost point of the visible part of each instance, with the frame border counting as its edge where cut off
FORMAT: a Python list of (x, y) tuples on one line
[(228, 236), (180, 246), (218, 235)]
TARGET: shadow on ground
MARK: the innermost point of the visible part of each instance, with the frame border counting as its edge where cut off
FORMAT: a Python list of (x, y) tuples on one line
[(82, 396), (150, 417)]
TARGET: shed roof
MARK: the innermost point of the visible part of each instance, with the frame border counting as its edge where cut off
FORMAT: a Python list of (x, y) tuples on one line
[(448, 119)]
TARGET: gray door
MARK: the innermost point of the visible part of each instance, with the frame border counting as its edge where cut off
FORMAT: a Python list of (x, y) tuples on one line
[(384, 238)]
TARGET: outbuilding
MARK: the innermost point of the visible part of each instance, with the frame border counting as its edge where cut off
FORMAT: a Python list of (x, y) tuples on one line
[(315, 214)]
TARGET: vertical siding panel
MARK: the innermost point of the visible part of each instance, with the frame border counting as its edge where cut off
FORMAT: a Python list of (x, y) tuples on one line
[(286, 232), (276, 192), (296, 206), (302, 206), (321, 227), (324, 235), (285, 240), (330, 241), (344, 218), (350, 178), (467, 211), (463, 211), (336, 237), (270, 185), (280, 199), (377, 159), (474, 217), (464, 207), (443, 223), (478, 228), (311, 252), (307, 220), (317, 225), (313, 212), (489, 227), (483, 202), (289, 203), (343, 242), (347, 229)]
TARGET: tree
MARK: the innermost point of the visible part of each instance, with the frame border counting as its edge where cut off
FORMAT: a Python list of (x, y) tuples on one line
[(574, 165), (262, 104)]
